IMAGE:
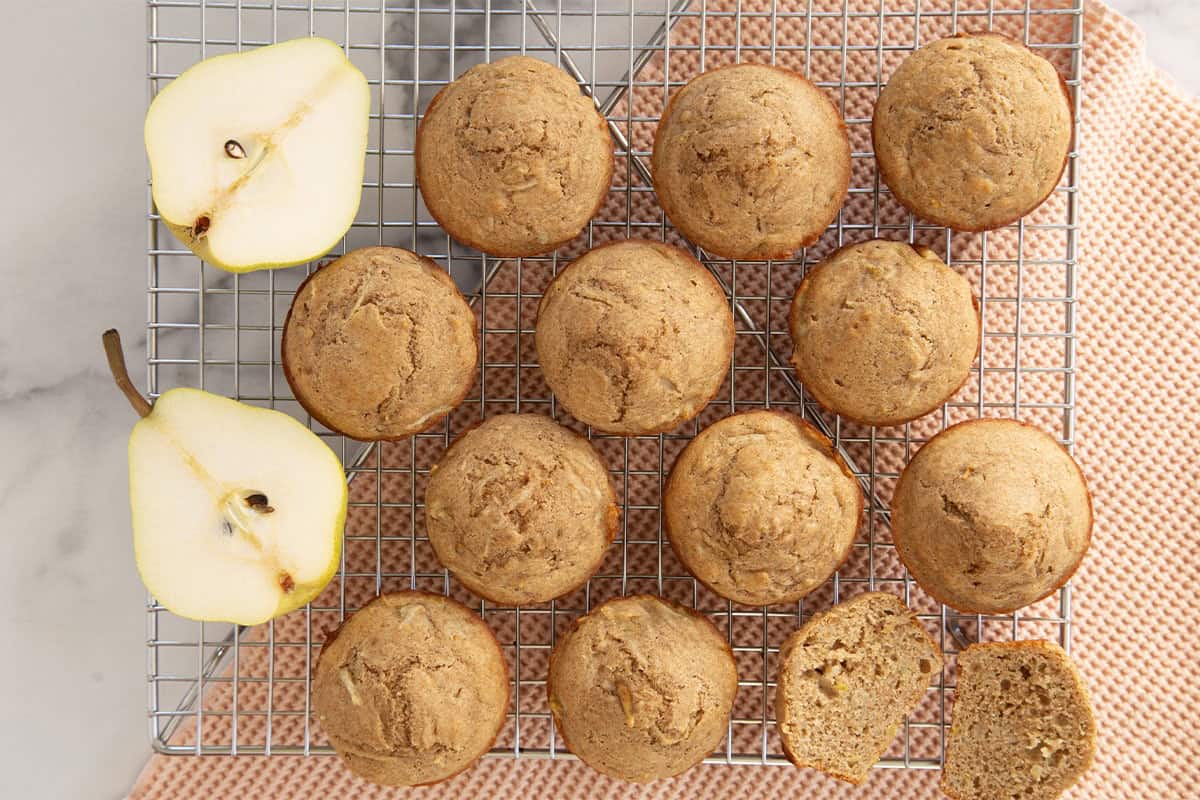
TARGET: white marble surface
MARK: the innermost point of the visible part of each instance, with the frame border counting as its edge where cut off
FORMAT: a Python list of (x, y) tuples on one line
[(73, 235)]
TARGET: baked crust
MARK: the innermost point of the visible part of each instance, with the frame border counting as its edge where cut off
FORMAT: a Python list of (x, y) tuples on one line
[(721, 242), (900, 536), (556, 655), (674, 486), (850, 404), (448, 217), (400, 599), (489, 581), (303, 385), (697, 379), (922, 210)]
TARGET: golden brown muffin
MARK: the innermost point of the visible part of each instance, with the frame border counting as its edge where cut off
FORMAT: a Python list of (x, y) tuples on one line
[(991, 515), (847, 680), (411, 690), (379, 344), (973, 132), (751, 161), (512, 159), (641, 688), (760, 508), (1022, 725), (883, 333), (520, 509), (634, 337)]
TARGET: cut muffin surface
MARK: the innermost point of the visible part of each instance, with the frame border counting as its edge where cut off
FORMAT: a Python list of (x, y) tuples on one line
[(1022, 724), (848, 679)]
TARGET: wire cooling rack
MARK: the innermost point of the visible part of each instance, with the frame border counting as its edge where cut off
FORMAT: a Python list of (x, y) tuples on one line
[(218, 689)]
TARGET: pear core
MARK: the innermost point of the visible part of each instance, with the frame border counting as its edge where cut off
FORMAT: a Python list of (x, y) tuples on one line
[(269, 174), (237, 511)]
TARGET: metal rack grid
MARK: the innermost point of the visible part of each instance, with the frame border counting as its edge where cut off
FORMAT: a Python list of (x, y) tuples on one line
[(214, 688)]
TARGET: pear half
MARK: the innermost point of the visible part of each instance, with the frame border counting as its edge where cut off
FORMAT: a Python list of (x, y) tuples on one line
[(256, 158), (238, 511)]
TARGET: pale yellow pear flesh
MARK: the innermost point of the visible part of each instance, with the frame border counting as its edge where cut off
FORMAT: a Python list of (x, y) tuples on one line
[(257, 158), (238, 511)]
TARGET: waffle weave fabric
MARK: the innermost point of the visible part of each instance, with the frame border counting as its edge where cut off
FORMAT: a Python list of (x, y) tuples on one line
[(1138, 391)]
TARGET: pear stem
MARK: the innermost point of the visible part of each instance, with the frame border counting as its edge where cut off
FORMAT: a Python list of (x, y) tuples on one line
[(120, 372)]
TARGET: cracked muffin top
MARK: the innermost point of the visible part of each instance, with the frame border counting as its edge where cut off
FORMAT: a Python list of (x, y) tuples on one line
[(411, 690), (751, 161), (520, 509), (760, 508), (641, 688), (973, 131), (883, 333), (991, 515), (379, 344), (512, 159), (634, 337)]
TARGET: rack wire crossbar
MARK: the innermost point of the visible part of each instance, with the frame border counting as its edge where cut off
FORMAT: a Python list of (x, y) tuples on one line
[(220, 689)]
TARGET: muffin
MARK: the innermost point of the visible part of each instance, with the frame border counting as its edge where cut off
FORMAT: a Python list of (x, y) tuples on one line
[(883, 333), (991, 515), (847, 680), (520, 509), (973, 132), (379, 344), (1022, 724), (641, 688), (512, 159), (411, 690), (751, 161), (760, 508), (634, 337)]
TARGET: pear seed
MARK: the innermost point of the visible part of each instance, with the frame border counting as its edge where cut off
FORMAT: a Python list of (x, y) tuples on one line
[(200, 226), (234, 149), (258, 502)]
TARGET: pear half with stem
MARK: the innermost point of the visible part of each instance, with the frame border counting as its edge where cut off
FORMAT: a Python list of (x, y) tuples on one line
[(238, 511), (256, 158)]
